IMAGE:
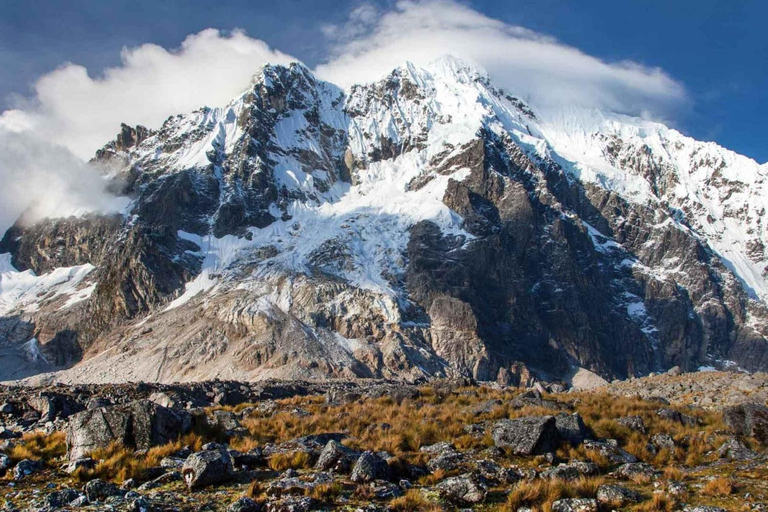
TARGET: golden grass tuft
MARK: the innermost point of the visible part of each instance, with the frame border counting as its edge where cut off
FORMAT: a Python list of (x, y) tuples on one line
[(326, 493), (718, 487), (296, 460), (40, 446), (412, 501)]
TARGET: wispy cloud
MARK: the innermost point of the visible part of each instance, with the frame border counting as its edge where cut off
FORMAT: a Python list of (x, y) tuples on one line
[(530, 64)]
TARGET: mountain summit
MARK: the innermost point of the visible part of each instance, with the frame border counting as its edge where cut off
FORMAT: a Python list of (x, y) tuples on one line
[(427, 224)]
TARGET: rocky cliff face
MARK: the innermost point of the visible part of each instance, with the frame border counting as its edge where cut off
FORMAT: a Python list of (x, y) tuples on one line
[(426, 224)]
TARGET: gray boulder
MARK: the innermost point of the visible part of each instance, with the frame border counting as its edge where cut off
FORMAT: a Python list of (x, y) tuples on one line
[(462, 490), (244, 504), (26, 467), (635, 469), (610, 451), (99, 490), (575, 505), (663, 441), (140, 425), (635, 423), (532, 435), (612, 496), (208, 467), (572, 428), (750, 419), (337, 457), (678, 417), (571, 471), (369, 467)]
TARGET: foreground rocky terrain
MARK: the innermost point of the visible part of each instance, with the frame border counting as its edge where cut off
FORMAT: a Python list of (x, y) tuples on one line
[(428, 224), (378, 445)]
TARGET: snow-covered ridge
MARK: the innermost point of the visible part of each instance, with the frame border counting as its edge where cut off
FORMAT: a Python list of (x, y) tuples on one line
[(25, 291)]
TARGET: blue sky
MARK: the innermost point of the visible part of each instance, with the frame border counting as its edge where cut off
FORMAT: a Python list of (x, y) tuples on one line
[(718, 50)]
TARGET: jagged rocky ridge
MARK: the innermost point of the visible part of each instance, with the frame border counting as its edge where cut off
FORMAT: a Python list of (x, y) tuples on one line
[(427, 224)]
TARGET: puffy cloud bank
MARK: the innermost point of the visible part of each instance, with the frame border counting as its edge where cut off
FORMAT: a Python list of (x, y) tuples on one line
[(45, 141)]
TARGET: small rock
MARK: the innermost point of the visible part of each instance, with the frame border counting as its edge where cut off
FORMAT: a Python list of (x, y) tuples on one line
[(575, 505), (84, 463), (98, 490), (244, 504), (663, 441), (571, 471), (616, 496), (635, 423), (291, 504), (610, 451), (463, 489), (26, 467), (635, 469)]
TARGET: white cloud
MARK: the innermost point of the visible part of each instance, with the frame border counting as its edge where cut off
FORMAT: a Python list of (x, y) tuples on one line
[(531, 65), (41, 180), (45, 141), (82, 113)]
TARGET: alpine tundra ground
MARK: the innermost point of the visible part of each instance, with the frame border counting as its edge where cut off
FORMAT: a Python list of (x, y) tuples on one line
[(444, 445)]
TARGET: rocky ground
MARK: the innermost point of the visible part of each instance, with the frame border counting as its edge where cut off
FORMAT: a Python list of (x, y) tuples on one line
[(376, 445)]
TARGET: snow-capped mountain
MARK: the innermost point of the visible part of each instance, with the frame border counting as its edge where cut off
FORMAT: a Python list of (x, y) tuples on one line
[(425, 224)]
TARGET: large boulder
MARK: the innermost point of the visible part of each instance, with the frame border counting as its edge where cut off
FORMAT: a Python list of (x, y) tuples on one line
[(140, 424), (206, 468), (575, 505), (750, 419), (532, 435), (571, 428), (369, 467)]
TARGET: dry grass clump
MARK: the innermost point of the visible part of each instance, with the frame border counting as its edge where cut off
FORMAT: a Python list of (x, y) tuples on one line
[(658, 503), (673, 473), (718, 487), (412, 501), (326, 493), (119, 463), (40, 446), (296, 460), (540, 494)]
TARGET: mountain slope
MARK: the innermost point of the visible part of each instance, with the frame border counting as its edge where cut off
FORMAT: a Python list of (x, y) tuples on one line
[(425, 224)]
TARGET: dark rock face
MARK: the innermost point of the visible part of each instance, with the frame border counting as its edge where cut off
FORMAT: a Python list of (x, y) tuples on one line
[(141, 424), (534, 435), (748, 420)]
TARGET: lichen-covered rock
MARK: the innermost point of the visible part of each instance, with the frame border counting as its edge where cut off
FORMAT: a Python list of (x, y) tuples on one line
[(635, 423), (750, 419), (571, 428), (140, 424), (99, 490), (206, 468), (571, 471), (611, 451), (369, 467), (463, 490), (663, 441), (575, 505), (610, 495), (244, 504), (633, 470), (336, 457), (532, 435)]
